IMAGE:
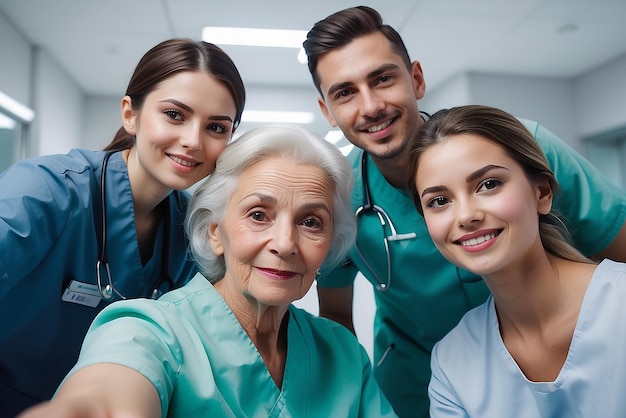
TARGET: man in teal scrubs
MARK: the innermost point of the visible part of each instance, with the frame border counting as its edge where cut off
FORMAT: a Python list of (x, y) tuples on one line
[(369, 88)]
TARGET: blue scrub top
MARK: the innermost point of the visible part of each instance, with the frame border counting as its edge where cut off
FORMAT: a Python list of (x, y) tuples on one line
[(48, 242), (428, 295)]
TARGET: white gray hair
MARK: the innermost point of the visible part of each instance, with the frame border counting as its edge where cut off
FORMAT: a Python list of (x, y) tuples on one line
[(209, 201)]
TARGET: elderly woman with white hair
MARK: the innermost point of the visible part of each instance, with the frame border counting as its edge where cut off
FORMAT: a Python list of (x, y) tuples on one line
[(230, 342)]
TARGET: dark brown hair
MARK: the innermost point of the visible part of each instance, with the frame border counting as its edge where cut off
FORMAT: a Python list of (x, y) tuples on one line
[(341, 28), (507, 132), (171, 57)]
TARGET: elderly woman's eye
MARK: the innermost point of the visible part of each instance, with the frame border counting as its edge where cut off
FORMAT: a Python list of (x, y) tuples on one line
[(257, 216), (312, 223)]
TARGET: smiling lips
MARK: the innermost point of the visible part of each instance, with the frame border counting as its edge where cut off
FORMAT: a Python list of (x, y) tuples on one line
[(185, 163), (477, 240), (379, 127), (277, 274)]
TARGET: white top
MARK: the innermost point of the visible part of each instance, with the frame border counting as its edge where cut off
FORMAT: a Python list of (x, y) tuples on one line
[(473, 374)]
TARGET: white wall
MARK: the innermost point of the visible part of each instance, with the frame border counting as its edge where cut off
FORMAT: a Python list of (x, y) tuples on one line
[(599, 99), (33, 78), (454, 92), (546, 100), (58, 105), (102, 119), (574, 108), (15, 55), (296, 99)]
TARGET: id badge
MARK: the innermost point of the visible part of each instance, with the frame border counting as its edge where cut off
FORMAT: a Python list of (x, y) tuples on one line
[(82, 293)]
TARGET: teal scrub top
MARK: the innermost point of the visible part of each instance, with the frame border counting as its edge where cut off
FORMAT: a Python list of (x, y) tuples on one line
[(428, 295), (190, 345), (48, 252)]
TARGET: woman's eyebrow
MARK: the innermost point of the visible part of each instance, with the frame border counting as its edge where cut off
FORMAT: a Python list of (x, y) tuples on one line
[(481, 172), (434, 189)]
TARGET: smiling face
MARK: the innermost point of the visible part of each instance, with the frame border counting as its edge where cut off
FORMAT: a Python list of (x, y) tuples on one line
[(480, 208), (182, 127), (276, 231), (369, 93)]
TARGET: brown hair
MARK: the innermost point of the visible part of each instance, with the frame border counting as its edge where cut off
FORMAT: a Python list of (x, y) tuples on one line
[(341, 28), (511, 135), (171, 57)]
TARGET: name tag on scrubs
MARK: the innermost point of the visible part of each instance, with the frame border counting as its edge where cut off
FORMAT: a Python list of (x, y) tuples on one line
[(82, 293)]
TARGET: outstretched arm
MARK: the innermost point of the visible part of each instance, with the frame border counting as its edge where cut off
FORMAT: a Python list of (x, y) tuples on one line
[(101, 390)]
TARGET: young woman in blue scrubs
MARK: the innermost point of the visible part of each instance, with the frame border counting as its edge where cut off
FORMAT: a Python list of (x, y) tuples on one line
[(230, 343), (548, 341), (81, 230)]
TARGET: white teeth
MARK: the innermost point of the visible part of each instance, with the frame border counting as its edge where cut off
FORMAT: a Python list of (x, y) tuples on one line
[(181, 161), (478, 240), (379, 127)]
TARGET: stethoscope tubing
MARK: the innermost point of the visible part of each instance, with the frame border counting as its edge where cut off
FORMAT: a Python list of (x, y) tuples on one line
[(108, 291)]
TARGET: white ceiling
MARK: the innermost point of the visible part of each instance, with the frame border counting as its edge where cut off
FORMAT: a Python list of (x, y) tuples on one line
[(100, 42)]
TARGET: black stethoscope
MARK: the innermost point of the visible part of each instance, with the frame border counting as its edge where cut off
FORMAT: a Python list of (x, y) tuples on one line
[(108, 291)]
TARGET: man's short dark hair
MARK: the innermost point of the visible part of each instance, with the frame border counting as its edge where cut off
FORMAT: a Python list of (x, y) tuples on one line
[(341, 28)]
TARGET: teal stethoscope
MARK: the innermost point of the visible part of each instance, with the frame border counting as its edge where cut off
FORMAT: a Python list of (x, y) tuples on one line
[(106, 288)]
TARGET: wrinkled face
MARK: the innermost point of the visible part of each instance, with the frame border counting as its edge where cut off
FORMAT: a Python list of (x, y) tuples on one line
[(183, 126), (276, 231), (369, 93), (480, 208)]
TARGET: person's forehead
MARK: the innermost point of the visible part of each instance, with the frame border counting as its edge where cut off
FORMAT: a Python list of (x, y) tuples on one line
[(355, 60)]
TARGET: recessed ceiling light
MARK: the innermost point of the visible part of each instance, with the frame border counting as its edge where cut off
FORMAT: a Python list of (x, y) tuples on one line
[(254, 37), (277, 116)]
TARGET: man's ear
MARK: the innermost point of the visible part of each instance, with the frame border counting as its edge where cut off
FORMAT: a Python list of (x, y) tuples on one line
[(544, 193), (214, 239), (129, 116), (326, 112), (419, 83)]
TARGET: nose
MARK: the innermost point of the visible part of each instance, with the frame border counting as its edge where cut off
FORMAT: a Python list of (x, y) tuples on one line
[(191, 138), (371, 103), (283, 242), (469, 213)]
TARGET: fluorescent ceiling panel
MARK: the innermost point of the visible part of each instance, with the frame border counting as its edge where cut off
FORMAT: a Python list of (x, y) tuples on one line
[(16, 109), (254, 37), (277, 116)]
